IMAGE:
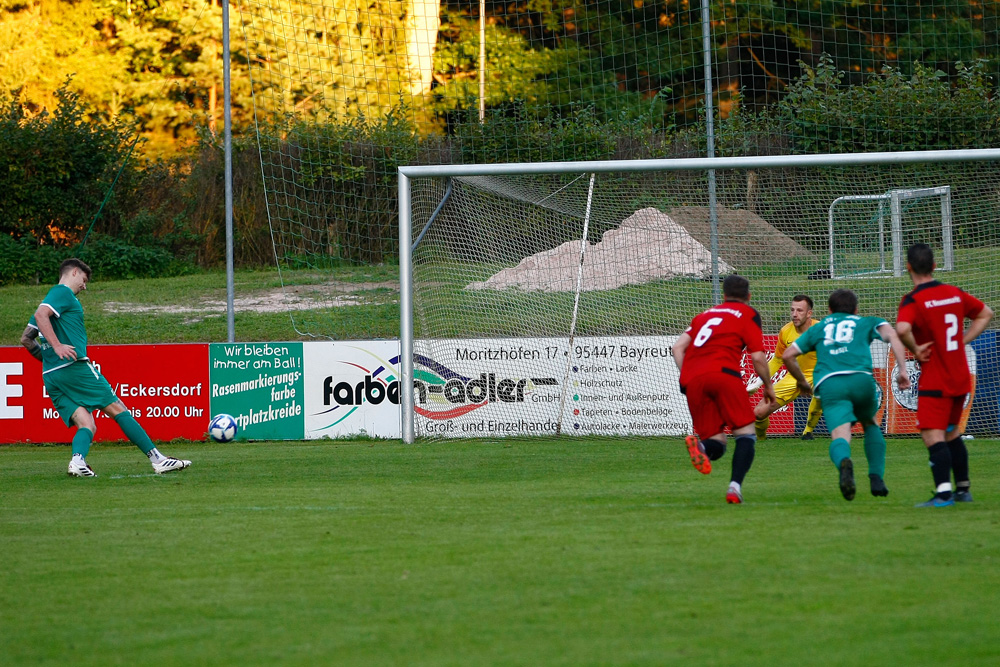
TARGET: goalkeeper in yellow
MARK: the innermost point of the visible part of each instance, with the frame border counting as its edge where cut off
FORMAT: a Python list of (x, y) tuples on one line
[(786, 389)]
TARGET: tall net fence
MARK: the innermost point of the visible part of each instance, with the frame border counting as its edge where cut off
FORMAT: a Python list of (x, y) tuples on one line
[(345, 92), (575, 285)]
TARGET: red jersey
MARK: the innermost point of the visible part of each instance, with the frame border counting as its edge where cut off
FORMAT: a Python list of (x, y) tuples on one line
[(718, 337), (937, 313)]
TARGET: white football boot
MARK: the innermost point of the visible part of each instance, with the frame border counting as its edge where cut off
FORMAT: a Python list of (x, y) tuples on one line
[(79, 468), (169, 464)]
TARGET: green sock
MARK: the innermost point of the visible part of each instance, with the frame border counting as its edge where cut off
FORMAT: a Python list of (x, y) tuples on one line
[(130, 427), (875, 450), (840, 449), (81, 441)]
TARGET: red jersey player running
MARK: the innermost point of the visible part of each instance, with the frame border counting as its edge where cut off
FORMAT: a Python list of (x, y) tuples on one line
[(708, 355), (930, 323)]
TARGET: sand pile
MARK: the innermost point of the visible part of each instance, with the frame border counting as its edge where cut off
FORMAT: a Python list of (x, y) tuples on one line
[(648, 245)]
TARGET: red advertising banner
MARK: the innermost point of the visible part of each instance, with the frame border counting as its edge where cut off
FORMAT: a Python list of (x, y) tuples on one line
[(783, 419), (165, 386), (901, 415)]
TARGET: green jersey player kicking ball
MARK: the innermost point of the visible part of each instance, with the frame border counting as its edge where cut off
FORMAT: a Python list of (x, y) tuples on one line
[(845, 382), (56, 336)]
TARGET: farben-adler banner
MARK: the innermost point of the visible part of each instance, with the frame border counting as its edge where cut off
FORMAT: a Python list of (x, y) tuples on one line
[(463, 388)]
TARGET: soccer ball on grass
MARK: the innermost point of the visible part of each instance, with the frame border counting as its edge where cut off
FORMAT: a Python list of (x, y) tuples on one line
[(223, 428)]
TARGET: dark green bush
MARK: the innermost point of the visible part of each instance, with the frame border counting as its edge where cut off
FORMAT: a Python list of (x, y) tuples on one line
[(55, 168), (25, 261), (891, 111)]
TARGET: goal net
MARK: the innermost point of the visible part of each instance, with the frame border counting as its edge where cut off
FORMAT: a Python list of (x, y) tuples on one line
[(545, 299), (343, 93)]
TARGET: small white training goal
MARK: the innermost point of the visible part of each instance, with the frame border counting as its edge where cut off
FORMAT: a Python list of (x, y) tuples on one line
[(869, 234)]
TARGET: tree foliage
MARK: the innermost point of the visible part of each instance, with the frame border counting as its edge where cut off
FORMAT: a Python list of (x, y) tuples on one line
[(55, 168), (159, 61)]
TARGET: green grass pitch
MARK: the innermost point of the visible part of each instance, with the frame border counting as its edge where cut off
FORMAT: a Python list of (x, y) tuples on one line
[(520, 552)]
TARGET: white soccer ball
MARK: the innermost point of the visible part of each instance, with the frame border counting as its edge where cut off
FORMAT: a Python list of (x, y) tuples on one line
[(223, 428)]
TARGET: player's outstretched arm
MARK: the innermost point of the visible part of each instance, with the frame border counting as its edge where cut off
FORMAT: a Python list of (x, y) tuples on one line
[(889, 335), (680, 349), (30, 344), (791, 359), (978, 325)]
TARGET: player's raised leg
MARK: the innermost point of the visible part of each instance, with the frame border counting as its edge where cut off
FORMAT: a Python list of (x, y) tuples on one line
[(875, 453), (837, 393), (840, 454), (137, 435), (743, 456), (699, 458)]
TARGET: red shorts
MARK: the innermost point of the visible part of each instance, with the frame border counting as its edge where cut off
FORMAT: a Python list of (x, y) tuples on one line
[(939, 412), (717, 400)]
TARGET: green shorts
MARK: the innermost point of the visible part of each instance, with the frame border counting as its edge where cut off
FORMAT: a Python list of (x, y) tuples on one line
[(848, 398), (75, 386)]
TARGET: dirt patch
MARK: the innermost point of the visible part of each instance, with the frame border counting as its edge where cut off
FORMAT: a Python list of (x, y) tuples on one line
[(745, 239), (293, 297)]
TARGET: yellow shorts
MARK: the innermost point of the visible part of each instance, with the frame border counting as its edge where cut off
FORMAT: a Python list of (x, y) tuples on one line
[(787, 390)]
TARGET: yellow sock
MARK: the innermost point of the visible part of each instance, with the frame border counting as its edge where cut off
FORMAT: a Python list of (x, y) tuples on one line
[(760, 426), (815, 413)]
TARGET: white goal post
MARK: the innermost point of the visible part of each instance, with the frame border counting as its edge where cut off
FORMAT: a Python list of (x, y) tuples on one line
[(675, 300), (894, 200)]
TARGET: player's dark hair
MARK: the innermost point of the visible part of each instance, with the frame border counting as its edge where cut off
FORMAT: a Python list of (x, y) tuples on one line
[(921, 259), (843, 301), (73, 263), (803, 297), (736, 287)]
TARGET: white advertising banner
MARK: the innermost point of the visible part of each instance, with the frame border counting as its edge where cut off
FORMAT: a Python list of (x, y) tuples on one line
[(351, 388), (497, 387)]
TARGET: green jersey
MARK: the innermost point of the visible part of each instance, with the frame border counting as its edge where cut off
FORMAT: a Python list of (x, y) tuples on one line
[(842, 343), (67, 322)]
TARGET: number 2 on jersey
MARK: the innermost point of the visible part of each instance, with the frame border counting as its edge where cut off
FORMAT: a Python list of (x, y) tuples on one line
[(951, 336)]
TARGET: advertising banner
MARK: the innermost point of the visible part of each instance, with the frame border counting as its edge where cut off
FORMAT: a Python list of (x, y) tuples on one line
[(984, 413), (351, 388), (901, 414), (164, 386), (494, 387), (782, 419), (260, 384), (463, 388)]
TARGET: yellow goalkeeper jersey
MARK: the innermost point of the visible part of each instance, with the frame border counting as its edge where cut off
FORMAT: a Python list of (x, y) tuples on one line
[(786, 337)]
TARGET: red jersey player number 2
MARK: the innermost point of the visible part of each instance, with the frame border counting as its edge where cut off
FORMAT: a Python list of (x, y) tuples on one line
[(936, 312)]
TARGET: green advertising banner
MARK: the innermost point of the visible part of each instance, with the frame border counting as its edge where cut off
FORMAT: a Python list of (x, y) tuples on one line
[(260, 385)]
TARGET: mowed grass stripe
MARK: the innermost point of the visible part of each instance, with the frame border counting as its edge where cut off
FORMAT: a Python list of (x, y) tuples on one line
[(564, 552)]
